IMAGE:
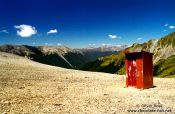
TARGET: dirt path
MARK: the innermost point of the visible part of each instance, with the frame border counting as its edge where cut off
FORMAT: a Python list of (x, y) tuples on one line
[(33, 88)]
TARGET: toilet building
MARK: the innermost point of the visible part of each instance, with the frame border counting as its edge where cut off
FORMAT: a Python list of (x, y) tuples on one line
[(139, 69)]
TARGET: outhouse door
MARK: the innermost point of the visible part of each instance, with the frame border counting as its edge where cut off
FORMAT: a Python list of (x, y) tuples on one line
[(132, 71)]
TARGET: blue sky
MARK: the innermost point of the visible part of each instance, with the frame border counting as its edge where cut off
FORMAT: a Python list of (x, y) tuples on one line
[(83, 23)]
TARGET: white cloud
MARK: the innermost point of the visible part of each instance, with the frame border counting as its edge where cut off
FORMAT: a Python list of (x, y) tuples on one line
[(33, 43), (166, 25), (92, 44), (112, 36), (59, 44), (5, 31), (52, 31), (118, 45), (171, 27), (139, 39), (104, 44), (164, 30), (48, 44), (25, 30)]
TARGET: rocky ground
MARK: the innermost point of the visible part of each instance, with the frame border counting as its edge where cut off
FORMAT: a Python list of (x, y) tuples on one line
[(33, 88)]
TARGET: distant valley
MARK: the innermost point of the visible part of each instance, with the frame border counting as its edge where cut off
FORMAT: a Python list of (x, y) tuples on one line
[(61, 56)]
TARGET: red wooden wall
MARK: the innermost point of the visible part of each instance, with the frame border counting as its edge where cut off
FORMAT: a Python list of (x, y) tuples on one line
[(139, 69)]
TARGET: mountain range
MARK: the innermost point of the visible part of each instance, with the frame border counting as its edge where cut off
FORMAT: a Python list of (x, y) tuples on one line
[(108, 59), (163, 58), (61, 56)]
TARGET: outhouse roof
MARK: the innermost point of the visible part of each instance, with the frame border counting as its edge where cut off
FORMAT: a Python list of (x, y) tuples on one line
[(136, 51)]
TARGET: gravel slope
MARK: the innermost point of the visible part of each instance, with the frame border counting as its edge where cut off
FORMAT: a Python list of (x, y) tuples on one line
[(34, 88)]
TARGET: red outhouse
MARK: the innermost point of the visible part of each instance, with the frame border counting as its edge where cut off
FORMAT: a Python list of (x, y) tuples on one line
[(139, 69)]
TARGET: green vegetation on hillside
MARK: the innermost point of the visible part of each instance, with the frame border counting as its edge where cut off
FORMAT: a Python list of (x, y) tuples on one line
[(167, 40), (109, 64), (115, 64), (165, 67)]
